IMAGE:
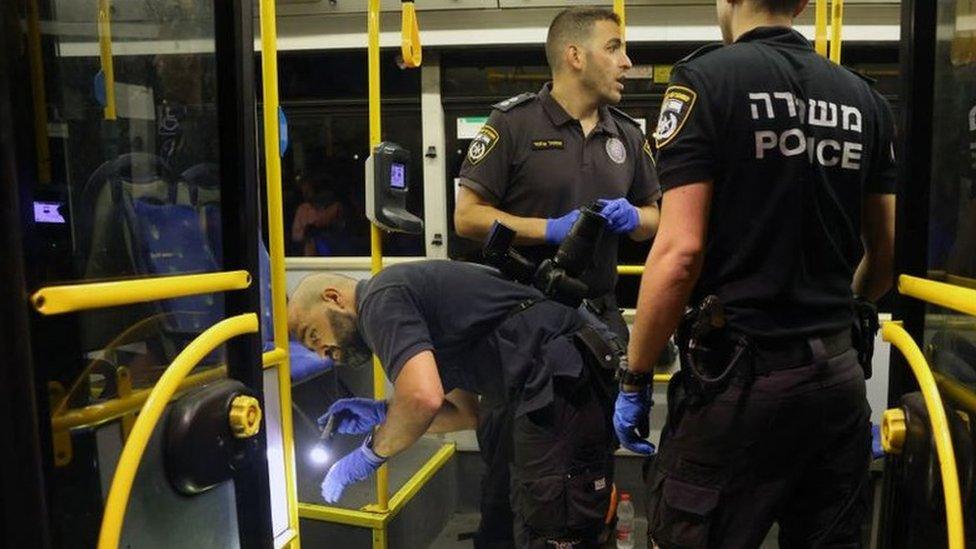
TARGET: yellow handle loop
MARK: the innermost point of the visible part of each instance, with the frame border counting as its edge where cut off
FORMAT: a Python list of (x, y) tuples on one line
[(410, 37)]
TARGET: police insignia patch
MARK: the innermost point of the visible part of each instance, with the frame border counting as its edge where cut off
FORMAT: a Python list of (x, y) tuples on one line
[(675, 108), (616, 150), (482, 144)]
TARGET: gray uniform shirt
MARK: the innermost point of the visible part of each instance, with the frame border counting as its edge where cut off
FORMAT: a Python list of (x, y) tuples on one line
[(531, 159)]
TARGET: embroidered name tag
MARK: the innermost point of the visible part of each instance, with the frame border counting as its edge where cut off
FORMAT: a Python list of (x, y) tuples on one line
[(546, 144)]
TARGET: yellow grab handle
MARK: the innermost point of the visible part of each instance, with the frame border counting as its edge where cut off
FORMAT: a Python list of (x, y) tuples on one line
[(125, 472), (54, 300), (620, 9), (897, 336), (410, 36)]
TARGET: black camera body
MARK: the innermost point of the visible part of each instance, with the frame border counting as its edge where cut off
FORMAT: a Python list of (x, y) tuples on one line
[(558, 277)]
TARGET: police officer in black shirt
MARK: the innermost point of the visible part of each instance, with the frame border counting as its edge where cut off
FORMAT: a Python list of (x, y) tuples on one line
[(540, 157), (778, 209), (448, 331)]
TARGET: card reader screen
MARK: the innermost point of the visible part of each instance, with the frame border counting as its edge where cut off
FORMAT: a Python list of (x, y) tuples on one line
[(47, 212), (398, 175)]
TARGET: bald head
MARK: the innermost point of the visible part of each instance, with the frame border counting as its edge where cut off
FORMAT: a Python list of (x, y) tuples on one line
[(573, 26), (322, 316), (328, 289)]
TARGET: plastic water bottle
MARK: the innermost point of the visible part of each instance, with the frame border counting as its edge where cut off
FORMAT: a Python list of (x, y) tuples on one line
[(625, 522)]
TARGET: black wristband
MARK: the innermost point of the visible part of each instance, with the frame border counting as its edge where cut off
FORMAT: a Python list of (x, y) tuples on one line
[(634, 379)]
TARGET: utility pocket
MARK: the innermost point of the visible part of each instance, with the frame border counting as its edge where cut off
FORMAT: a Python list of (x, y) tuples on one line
[(559, 505), (587, 500), (541, 502), (682, 513)]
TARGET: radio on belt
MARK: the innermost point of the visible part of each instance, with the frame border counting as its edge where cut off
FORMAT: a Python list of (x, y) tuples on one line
[(387, 184)]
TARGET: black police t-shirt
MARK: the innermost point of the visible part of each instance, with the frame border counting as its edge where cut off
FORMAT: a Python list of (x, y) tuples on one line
[(531, 159), (792, 143), (449, 308)]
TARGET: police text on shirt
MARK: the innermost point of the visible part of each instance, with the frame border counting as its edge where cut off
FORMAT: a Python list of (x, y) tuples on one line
[(809, 114)]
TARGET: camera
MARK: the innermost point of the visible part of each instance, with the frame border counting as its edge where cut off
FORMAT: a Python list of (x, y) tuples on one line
[(558, 277)]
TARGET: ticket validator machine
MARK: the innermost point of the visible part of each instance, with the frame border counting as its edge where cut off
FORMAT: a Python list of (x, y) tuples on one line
[(387, 185)]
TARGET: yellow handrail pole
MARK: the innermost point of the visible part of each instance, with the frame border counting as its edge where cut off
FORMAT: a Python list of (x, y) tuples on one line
[(54, 300), (620, 8), (410, 48), (836, 27), (630, 269), (105, 47), (276, 251), (897, 336), (376, 238), (945, 295), (97, 414), (39, 92), (820, 32), (152, 411)]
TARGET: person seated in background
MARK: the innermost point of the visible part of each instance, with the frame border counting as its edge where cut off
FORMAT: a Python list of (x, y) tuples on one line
[(320, 210), (447, 332)]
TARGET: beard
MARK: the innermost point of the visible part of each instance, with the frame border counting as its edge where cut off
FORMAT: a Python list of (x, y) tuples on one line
[(353, 350)]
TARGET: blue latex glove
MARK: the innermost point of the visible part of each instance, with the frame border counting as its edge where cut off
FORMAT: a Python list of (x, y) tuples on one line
[(558, 227), (622, 216), (631, 418), (355, 416), (354, 467), (877, 452)]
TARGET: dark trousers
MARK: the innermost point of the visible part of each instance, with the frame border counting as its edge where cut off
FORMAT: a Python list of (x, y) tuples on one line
[(793, 447), (550, 472)]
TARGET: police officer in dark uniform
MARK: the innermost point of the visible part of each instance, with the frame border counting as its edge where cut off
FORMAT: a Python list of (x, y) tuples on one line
[(778, 209), (448, 331), (540, 157), (535, 162)]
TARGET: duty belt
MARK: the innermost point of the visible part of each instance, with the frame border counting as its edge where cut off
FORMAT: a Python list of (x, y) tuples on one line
[(793, 353)]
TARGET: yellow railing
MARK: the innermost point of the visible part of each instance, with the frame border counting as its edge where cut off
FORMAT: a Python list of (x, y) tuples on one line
[(376, 237), (54, 300), (378, 521), (894, 333), (105, 47), (276, 252), (152, 411), (620, 8), (820, 36), (836, 27), (939, 293), (94, 415)]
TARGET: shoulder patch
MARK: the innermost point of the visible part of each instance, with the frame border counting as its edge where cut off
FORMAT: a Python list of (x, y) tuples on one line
[(624, 116), (482, 144), (676, 106), (700, 52), (511, 102)]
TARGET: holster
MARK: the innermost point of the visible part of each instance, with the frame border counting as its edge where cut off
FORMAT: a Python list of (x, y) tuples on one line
[(863, 332), (709, 354)]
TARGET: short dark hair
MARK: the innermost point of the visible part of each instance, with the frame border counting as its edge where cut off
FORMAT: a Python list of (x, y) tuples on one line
[(778, 7), (573, 24)]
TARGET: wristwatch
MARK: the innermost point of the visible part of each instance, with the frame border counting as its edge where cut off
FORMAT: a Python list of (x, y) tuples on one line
[(635, 379)]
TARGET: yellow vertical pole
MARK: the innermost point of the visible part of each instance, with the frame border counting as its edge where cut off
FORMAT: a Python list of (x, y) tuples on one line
[(821, 27), (376, 238), (105, 47), (619, 7), (39, 93), (276, 248), (836, 26)]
